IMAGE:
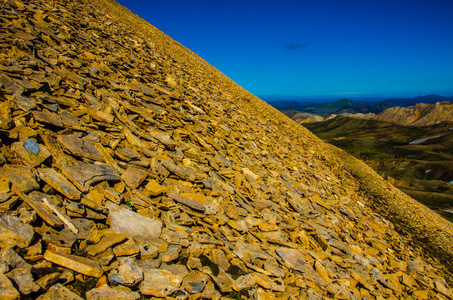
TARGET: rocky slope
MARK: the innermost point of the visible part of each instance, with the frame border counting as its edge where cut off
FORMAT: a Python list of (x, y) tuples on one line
[(131, 168), (420, 114), (416, 159)]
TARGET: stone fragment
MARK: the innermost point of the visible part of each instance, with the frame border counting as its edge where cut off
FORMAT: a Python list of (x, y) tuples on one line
[(194, 282), (77, 263), (83, 175), (154, 188), (185, 174), (128, 273), (219, 258), (165, 139), (187, 201), (58, 292), (3, 267), (133, 177), (13, 232), (249, 252), (23, 178), (25, 103), (34, 200), (263, 280), (80, 147), (7, 290), (112, 195), (244, 282), (128, 248), (171, 254), (48, 280), (48, 117), (301, 205), (14, 260), (134, 225), (32, 153), (59, 183), (159, 283), (105, 292), (24, 280), (223, 281), (107, 241), (150, 248), (175, 237), (293, 258)]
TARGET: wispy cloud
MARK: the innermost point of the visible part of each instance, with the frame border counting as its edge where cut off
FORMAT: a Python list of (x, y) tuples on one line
[(294, 46)]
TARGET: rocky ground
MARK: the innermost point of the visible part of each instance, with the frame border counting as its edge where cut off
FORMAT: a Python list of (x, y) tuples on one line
[(132, 169)]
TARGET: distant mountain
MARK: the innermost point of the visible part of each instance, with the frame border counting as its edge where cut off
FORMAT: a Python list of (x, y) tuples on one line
[(429, 99), (325, 107), (420, 114)]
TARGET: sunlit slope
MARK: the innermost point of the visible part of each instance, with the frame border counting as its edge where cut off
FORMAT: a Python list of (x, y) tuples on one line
[(131, 168)]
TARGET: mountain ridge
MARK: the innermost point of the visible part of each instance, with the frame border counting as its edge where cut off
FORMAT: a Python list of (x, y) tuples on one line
[(420, 114), (341, 106)]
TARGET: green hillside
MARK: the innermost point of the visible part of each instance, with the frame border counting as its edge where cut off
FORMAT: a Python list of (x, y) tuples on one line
[(423, 170)]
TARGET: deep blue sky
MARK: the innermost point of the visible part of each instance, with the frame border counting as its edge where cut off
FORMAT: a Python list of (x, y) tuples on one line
[(317, 48)]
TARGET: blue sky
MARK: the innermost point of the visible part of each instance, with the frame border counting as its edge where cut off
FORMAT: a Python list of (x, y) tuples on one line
[(317, 48)]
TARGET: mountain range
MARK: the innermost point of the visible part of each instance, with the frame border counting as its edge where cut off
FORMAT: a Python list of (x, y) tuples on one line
[(357, 106)]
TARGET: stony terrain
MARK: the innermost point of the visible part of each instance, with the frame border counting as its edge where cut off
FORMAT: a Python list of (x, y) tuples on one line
[(132, 169), (420, 166)]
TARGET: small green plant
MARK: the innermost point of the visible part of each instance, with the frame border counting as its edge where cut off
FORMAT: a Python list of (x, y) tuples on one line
[(130, 205)]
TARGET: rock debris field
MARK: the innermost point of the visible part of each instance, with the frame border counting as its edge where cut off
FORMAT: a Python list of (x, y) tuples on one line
[(132, 169)]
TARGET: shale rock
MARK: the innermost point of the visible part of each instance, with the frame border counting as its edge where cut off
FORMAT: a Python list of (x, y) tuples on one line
[(130, 168)]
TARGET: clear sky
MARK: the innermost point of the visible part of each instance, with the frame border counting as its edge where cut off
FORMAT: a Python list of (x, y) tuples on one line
[(317, 48)]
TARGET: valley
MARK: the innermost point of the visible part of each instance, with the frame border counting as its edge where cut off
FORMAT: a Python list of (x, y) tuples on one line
[(416, 159)]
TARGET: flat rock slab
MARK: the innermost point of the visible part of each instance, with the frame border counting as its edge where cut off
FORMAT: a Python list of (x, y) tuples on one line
[(293, 258), (187, 201), (80, 147), (23, 178), (34, 200), (105, 292), (58, 292), (7, 290), (126, 221), (31, 153), (133, 177), (13, 232), (59, 182), (48, 117), (23, 279), (83, 175), (194, 282), (79, 264), (159, 283)]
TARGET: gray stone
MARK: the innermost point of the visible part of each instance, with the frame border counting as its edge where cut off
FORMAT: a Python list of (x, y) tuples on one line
[(105, 292), (59, 292), (24, 280), (128, 273), (126, 221), (159, 283), (7, 290), (83, 175), (194, 282), (13, 232)]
